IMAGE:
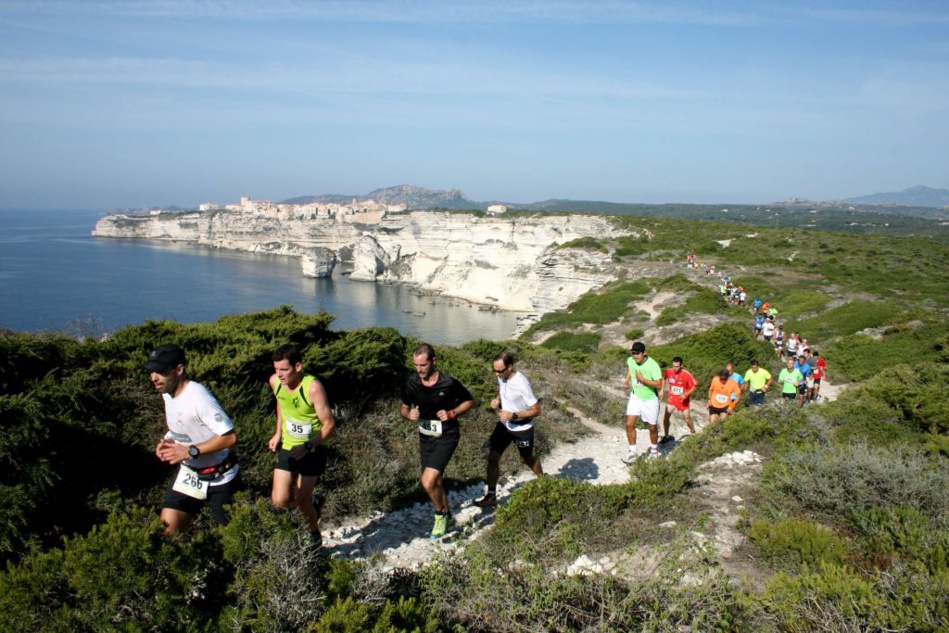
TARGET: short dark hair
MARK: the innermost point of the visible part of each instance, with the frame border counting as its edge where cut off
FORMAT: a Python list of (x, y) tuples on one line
[(288, 352), (638, 347), (677, 359), (754, 362), (426, 349), (506, 357)]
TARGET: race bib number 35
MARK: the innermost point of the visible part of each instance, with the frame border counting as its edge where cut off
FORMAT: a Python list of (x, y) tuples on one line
[(299, 430), (187, 483)]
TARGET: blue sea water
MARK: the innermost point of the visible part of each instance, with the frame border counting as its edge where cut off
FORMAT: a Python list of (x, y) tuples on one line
[(54, 276)]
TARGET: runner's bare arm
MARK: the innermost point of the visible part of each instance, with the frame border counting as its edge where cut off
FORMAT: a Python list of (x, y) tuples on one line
[(275, 438), (323, 411)]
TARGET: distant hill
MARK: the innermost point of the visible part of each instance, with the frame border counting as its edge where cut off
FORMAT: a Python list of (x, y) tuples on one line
[(892, 218), (410, 195), (918, 196)]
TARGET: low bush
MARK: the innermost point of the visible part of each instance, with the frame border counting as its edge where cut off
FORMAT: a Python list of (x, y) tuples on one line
[(903, 406), (842, 481), (585, 342), (791, 544), (858, 356), (901, 534), (475, 592), (124, 575), (587, 242), (835, 598), (608, 304), (850, 317)]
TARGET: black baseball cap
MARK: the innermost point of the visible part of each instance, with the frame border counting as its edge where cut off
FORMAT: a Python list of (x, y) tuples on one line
[(638, 347), (163, 357)]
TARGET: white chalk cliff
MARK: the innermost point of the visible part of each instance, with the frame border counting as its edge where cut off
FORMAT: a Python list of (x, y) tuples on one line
[(509, 262)]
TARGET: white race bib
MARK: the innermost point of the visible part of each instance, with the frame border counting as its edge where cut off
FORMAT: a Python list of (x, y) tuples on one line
[(677, 391), (187, 483), (430, 427), (299, 429), (721, 398)]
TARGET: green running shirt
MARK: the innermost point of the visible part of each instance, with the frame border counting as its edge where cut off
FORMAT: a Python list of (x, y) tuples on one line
[(300, 422)]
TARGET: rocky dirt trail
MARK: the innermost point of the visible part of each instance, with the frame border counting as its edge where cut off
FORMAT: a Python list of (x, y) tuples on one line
[(399, 539)]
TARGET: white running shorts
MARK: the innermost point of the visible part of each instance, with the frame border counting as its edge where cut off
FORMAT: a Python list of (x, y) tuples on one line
[(648, 410)]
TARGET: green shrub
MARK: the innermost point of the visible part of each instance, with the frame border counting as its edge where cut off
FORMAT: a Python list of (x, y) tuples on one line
[(585, 342), (587, 242), (832, 598), (846, 319), (125, 574), (858, 356), (476, 592), (842, 481), (606, 305), (905, 405), (902, 534), (349, 616), (793, 543)]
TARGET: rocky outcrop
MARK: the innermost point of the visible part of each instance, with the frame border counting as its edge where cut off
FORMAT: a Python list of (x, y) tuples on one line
[(318, 262), (508, 262)]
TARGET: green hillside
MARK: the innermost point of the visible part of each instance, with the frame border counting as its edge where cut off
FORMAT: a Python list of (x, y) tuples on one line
[(845, 527)]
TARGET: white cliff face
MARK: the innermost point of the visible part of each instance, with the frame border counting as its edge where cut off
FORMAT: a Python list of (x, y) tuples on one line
[(510, 262)]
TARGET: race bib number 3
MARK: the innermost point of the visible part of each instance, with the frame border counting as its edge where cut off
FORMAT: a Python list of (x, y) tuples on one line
[(187, 483), (299, 430), (430, 427)]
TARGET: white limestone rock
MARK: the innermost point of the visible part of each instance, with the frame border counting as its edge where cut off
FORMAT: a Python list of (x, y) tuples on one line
[(318, 262)]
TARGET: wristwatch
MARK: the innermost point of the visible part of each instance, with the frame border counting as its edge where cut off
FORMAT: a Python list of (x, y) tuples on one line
[(193, 451), (308, 446)]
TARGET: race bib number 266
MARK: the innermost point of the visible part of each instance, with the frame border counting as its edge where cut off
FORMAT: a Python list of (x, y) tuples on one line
[(187, 483)]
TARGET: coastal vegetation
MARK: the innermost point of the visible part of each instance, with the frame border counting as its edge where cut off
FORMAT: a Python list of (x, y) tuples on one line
[(846, 527)]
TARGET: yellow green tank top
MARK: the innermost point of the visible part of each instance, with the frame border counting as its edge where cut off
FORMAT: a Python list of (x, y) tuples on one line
[(300, 421)]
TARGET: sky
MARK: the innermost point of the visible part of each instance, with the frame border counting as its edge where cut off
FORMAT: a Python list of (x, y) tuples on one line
[(125, 104)]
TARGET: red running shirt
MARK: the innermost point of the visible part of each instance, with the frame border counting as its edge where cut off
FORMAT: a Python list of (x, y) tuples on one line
[(678, 384)]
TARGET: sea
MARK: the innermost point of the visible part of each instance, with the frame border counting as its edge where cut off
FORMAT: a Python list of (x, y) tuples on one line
[(56, 277)]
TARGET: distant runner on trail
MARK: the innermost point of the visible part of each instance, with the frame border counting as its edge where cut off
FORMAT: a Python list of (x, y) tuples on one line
[(304, 424), (790, 378), (644, 379), (199, 441), (434, 400), (723, 396), (517, 406), (757, 382), (681, 385)]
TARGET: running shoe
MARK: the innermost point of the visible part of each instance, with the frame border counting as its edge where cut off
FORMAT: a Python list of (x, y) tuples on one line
[(630, 459), (488, 501), (666, 439), (654, 452), (318, 502), (441, 526)]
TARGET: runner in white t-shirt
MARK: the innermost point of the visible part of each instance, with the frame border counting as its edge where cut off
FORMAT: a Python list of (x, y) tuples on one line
[(199, 441)]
